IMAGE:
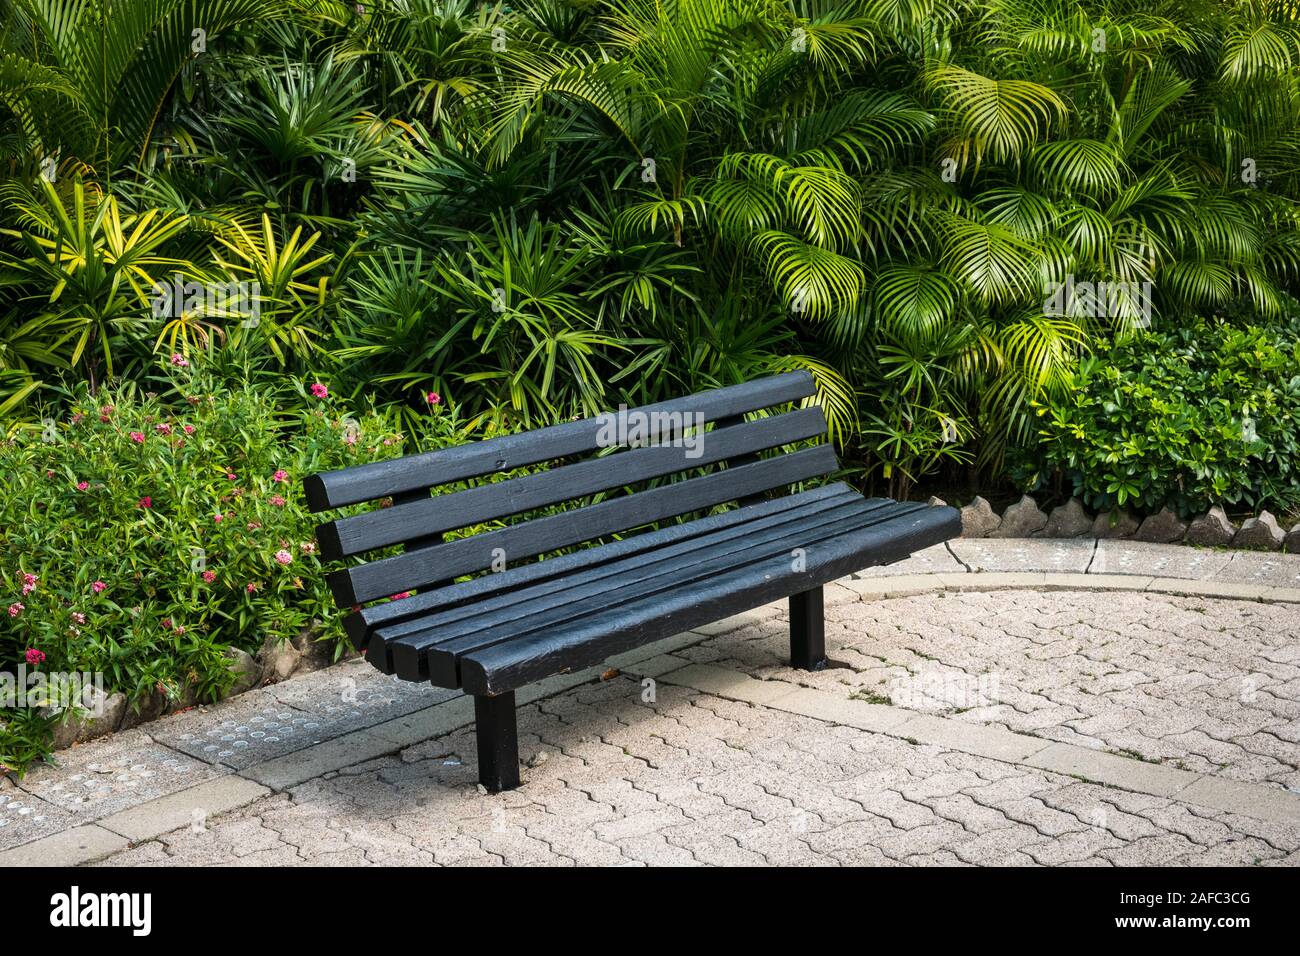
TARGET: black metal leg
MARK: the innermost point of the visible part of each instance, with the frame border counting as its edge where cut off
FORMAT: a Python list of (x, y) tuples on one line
[(498, 741), (807, 630)]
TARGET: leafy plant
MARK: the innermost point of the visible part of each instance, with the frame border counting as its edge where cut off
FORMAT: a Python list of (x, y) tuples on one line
[(86, 276), (140, 537), (1205, 414)]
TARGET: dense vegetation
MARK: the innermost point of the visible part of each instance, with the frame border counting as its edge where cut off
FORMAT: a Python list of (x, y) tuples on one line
[(1206, 414), (540, 208), (527, 208), (146, 534)]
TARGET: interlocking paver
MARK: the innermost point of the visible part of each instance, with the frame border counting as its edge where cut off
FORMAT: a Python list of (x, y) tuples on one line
[(808, 792), (946, 734), (1194, 683)]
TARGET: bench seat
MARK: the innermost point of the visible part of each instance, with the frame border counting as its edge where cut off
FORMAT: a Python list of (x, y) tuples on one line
[(620, 596), (670, 516)]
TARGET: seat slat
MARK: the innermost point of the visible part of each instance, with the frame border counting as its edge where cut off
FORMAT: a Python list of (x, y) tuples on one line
[(436, 654), (603, 563), (360, 625), (417, 569), (573, 646), (432, 516), (421, 633), (380, 479)]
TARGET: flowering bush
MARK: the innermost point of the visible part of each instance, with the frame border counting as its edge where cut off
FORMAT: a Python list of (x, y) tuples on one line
[(142, 536)]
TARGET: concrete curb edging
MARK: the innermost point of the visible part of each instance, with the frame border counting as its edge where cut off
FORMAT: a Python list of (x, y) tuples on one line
[(906, 585)]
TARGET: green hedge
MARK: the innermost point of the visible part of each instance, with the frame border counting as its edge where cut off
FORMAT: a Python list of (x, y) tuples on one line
[(1204, 414)]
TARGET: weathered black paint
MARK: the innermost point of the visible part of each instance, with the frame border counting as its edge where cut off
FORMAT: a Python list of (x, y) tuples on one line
[(497, 632)]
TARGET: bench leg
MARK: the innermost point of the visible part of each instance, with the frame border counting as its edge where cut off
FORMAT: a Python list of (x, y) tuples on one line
[(498, 741), (807, 630)]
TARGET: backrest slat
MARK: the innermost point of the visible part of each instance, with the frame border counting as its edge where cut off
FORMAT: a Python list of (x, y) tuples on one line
[(473, 460), (442, 562), (430, 516)]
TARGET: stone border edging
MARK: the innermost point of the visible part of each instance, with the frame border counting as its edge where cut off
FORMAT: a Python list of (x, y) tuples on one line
[(1024, 519)]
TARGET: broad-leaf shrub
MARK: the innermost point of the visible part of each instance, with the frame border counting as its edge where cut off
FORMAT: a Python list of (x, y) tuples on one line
[(142, 537), (1204, 414)]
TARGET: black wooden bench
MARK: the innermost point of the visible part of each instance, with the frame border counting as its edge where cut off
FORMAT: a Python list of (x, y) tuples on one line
[(503, 628)]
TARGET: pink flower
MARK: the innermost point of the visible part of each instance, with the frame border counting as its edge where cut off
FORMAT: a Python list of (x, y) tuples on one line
[(105, 412), (99, 587), (167, 624), (79, 617), (250, 587), (276, 500), (77, 418), (280, 475), (145, 502), (49, 472), (230, 475), (319, 390), (180, 629), (350, 438), (284, 557), (29, 579), (163, 428), (433, 398), (179, 360), (34, 656), (309, 547), (189, 429), (209, 576), (401, 596), (16, 608), (218, 517), (254, 525), (137, 437), (83, 485)]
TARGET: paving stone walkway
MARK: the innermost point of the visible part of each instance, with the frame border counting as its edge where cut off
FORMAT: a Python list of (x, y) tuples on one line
[(994, 702), (1198, 683)]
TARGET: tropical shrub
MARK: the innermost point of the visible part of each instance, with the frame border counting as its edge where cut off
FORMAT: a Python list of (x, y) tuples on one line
[(142, 535), (527, 207), (1204, 414)]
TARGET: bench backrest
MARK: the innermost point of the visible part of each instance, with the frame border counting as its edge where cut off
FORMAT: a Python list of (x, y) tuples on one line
[(665, 442)]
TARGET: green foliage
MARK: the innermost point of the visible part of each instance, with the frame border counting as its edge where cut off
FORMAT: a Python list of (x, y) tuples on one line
[(536, 209), (1205, 414), (670, 195), (186, 508)]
